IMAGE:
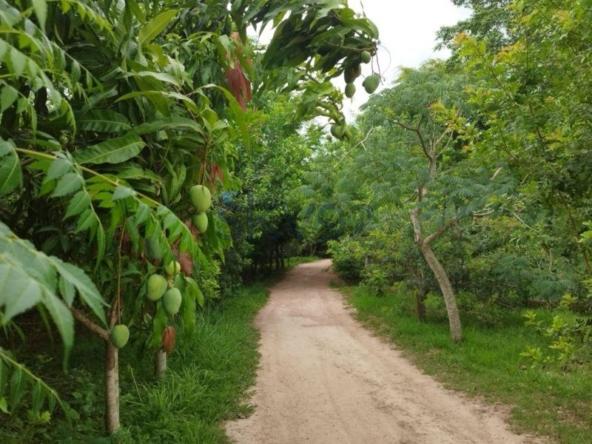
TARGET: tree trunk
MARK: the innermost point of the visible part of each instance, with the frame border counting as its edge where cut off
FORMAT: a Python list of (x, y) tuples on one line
[(420, 303), (424, 244), (111, 389), (447, 291), (160, 365)]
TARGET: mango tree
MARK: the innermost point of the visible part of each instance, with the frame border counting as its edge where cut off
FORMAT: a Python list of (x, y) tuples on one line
[(111, 114)]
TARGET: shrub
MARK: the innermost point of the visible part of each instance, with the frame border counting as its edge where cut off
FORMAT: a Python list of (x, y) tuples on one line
[(348, 258)]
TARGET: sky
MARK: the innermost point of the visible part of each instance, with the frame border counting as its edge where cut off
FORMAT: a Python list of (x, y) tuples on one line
[(407, 37)]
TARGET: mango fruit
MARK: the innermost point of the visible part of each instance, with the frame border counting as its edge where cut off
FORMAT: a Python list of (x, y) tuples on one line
[(172, 301), (172, 268), (157, 285), (201, 198), (337, 131), (371, 83), (120, 335), (201, 222), (350, 90), (351, 73)]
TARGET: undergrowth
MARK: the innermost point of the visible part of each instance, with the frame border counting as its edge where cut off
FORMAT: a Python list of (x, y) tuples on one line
[(207, 381), (545, 399)]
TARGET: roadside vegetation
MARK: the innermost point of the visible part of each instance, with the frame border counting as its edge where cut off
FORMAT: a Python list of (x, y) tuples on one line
[(489, 364), (205, 384), (461, 211), (155, 161), (148, 155)]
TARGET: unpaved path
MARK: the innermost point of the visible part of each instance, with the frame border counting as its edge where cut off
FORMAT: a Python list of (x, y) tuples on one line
[(324, 379)]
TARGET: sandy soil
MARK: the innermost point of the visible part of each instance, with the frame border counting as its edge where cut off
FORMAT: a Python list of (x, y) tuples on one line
[(325, 379)]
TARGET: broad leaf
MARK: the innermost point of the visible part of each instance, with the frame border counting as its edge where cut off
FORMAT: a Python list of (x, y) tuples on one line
[(155, 26), (10, 168), (86, 288), (103, 121), (116, 150)]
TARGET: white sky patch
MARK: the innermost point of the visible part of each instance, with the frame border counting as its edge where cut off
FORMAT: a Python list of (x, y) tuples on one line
[(407, 38)]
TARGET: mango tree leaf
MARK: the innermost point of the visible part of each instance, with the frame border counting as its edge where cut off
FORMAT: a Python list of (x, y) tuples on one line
[(103, 121), (189, 104), (86, 288), (40, 8), (155, 26), (160, 76), (116, 150), (19, 291), (10, 168), (7, 97), (68, 184)]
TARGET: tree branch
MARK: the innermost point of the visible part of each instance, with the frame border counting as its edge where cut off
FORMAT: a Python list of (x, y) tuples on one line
[(91, 325), (416, 225), (432, 237), (361, 142), (417, 131)]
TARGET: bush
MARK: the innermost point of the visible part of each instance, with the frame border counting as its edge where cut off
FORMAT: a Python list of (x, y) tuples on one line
[(348, 258), (376, 278)]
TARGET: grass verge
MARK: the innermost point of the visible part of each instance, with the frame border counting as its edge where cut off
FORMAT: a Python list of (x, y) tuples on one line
[(207, 381), (545, 401)]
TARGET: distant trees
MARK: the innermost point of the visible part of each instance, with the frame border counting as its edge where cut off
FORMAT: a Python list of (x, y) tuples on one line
[(488, 153)]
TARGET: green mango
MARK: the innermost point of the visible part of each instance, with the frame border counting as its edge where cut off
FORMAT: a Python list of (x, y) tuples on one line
[(365, 56), (347, 134), (120, 335), (172, 301), (157, 285), (337, 131), (352, 72), (201, 222), (371, 83), (201, 198), (172, 268), (350, 90)]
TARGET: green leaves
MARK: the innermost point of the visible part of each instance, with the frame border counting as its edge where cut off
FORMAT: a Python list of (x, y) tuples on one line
[(111, 151), (88, 292), (112, 113), (40, 8), (7, 97), (155, 26), (10, 168), (103, 121), (28, 277), (16, 380)]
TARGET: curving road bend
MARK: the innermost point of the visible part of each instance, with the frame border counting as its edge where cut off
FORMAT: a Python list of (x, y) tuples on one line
[(325, 379)]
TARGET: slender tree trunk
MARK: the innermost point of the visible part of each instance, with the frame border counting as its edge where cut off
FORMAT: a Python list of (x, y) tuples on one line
[(111, 389), (160, 363), (424, 245), (447, 291), (420, 303)]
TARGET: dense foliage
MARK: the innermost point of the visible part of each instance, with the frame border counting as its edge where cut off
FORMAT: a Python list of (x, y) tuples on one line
[(119, 121), (153, 157), (483, 160)]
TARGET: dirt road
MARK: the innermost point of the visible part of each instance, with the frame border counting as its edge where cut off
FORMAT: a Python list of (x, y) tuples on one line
[(324, 379)]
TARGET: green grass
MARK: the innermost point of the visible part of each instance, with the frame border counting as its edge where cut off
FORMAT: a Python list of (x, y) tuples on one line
[(207, 382), (297, 260), (487, 364)]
